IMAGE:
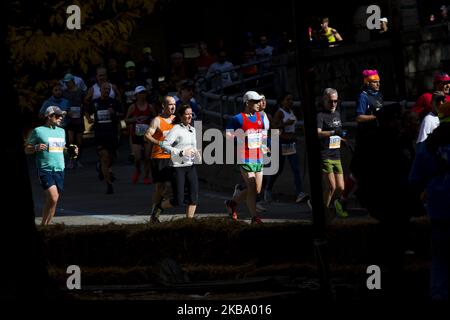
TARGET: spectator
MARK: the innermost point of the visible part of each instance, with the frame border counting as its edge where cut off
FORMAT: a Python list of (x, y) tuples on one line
[(327, 34), (264, 51), (148, 69), (177, 71), (221, 72), (205, 60)]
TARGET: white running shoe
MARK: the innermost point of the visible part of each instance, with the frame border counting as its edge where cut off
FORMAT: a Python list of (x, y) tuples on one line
[(301, 197)]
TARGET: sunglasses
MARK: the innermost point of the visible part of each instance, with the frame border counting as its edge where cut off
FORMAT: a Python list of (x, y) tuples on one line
[(333, 101), (57, 116)]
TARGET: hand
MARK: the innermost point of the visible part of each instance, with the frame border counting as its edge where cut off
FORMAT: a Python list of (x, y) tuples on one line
[(189, 153), (40, 147), (340, 132)]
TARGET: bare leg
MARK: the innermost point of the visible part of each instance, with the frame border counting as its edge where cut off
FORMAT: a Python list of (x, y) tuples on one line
[(49, 209), (105, 161), (330, 187), (190, 211), (250, 181)]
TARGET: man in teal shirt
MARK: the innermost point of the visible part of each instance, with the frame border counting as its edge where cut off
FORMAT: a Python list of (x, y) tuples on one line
[(48, 143)]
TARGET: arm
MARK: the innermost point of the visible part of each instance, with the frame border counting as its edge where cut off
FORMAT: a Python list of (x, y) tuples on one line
[(154, 125), (337, 35), (89, 95), (365, 118), (33, 145), (168, 142), (361, 109), (277, 122), (128, 118), (117, 92)]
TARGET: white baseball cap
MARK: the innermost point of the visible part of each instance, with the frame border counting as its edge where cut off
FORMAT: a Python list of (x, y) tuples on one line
[(139, 89), (252, 95)]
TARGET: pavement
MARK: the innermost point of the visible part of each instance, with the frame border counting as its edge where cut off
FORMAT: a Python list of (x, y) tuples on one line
[(85, 202)]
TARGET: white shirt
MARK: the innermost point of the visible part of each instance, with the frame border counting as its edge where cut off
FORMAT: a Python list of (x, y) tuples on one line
[(181, 138), (429, 123)]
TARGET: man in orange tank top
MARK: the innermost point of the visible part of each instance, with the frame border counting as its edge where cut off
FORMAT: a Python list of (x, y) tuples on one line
[(160, 160)]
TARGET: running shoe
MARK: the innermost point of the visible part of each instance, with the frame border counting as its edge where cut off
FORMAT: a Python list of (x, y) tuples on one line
[(302, 197), (154, 220), (231, 209), (339, 210), (256, 220)]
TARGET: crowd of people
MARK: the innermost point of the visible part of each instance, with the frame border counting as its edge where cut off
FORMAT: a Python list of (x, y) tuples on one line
[(402, 153)]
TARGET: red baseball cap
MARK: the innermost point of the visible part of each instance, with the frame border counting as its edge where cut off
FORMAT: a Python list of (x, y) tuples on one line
[(442, 77)]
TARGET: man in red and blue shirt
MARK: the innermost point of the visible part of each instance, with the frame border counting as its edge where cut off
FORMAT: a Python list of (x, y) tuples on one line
[(248, 127)]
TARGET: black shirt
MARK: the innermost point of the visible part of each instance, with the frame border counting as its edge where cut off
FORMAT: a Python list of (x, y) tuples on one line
[(105, 123), (328, 121)]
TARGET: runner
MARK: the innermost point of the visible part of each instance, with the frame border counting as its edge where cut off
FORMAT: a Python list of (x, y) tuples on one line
[(329, 128), (160, 160), (139, 116), (265, 147), (75, 125), (48, 143), (106, 111), (284, 119), (250, 154), (181, 142)]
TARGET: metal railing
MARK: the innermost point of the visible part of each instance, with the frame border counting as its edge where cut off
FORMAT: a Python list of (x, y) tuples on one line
[(218, 107)]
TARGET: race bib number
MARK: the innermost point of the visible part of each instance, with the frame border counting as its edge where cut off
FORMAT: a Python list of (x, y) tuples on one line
[(56, 145), (76, 112), (254, 140), (141, 128), (335, 142), (103, 116), (288, 149), (129, 97)]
